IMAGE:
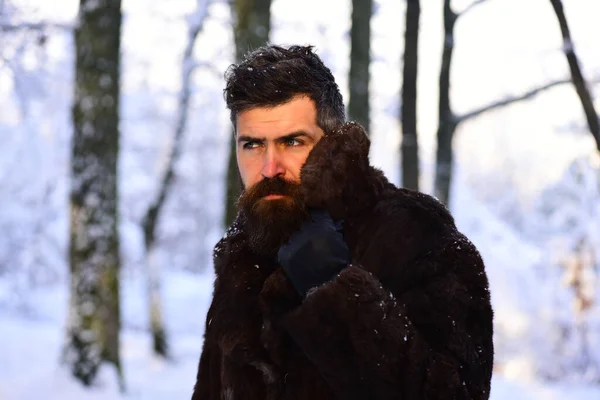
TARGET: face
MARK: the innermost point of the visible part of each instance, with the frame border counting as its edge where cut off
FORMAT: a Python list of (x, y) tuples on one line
[(272, 146), (275, 142)]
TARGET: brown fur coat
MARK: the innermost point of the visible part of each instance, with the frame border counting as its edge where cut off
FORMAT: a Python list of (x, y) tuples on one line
[(409, 318)]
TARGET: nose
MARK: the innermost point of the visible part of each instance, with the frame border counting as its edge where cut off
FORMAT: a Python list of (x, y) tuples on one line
[(272, 166)]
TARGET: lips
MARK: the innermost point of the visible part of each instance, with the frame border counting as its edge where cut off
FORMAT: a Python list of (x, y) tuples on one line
[(273, 197)]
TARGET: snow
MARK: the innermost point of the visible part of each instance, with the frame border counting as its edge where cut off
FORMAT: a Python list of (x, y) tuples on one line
[(504, 180), (31, 344)]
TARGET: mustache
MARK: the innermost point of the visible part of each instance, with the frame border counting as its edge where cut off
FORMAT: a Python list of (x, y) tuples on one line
[(273, 186)]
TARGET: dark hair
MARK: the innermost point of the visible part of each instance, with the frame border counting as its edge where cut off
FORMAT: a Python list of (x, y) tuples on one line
[(273, 75)]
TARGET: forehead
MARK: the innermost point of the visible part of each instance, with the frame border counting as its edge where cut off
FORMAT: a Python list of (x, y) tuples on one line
[(297, 114)]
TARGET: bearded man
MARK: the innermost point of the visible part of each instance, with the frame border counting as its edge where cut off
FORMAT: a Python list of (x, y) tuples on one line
[(333, 283)]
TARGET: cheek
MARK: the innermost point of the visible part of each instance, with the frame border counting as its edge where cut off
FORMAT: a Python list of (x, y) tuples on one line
[(249, 170)]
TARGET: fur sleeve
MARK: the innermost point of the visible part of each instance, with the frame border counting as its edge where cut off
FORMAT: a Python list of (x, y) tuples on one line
[(208, 379), (208, 385), (431, 341)]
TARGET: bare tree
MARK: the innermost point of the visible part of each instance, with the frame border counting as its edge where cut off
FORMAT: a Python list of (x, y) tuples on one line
[(447, 120), (150, 219), (408, 112), (360, 48), (577, 76), (94, 317), (447, 123), (252, 24)]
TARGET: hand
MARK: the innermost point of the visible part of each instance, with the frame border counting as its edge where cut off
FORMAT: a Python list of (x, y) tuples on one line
[(315, 254)]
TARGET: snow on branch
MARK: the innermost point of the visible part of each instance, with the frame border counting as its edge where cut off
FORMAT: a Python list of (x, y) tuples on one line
[(471, 6)]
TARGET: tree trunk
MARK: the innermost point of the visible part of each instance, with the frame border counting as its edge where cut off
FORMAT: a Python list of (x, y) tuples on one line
[(578, 80), (252, 25), (94, 317), (446, 120), (408, 112), (360, 45)]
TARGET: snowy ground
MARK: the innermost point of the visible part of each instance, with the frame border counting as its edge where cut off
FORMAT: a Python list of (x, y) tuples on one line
[(31, 343), (30, 339)]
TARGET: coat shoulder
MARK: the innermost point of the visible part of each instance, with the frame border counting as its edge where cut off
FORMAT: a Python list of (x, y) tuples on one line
[(402, 230), (232, 243), (415, 211)]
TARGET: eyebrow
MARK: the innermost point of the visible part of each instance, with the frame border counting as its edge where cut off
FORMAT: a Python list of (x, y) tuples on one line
[(292, 135)]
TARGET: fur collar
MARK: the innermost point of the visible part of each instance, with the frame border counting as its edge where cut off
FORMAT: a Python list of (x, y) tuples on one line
[(337, 175)]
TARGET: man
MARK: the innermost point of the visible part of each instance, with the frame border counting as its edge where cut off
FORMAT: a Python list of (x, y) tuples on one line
[(332, 283)]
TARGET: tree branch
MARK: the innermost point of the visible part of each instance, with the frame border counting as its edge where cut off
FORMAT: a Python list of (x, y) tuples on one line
[(34, 26), (470, 7), (577, 76), (509, 100), (195, 24), (212, 68)]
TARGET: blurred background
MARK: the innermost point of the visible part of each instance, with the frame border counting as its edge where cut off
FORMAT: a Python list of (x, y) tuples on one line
[(115, 163)]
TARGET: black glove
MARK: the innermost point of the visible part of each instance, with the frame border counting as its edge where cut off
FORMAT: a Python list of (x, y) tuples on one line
[(315, 254)]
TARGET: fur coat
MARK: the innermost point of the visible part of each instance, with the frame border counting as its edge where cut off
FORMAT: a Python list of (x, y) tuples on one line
[(409, 318)]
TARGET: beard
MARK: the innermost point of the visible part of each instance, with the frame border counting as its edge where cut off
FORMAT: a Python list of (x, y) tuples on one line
[(271, 222)]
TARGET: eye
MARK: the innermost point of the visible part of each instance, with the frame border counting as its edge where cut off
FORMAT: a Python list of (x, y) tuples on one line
[(293, 142), (251, 145)]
